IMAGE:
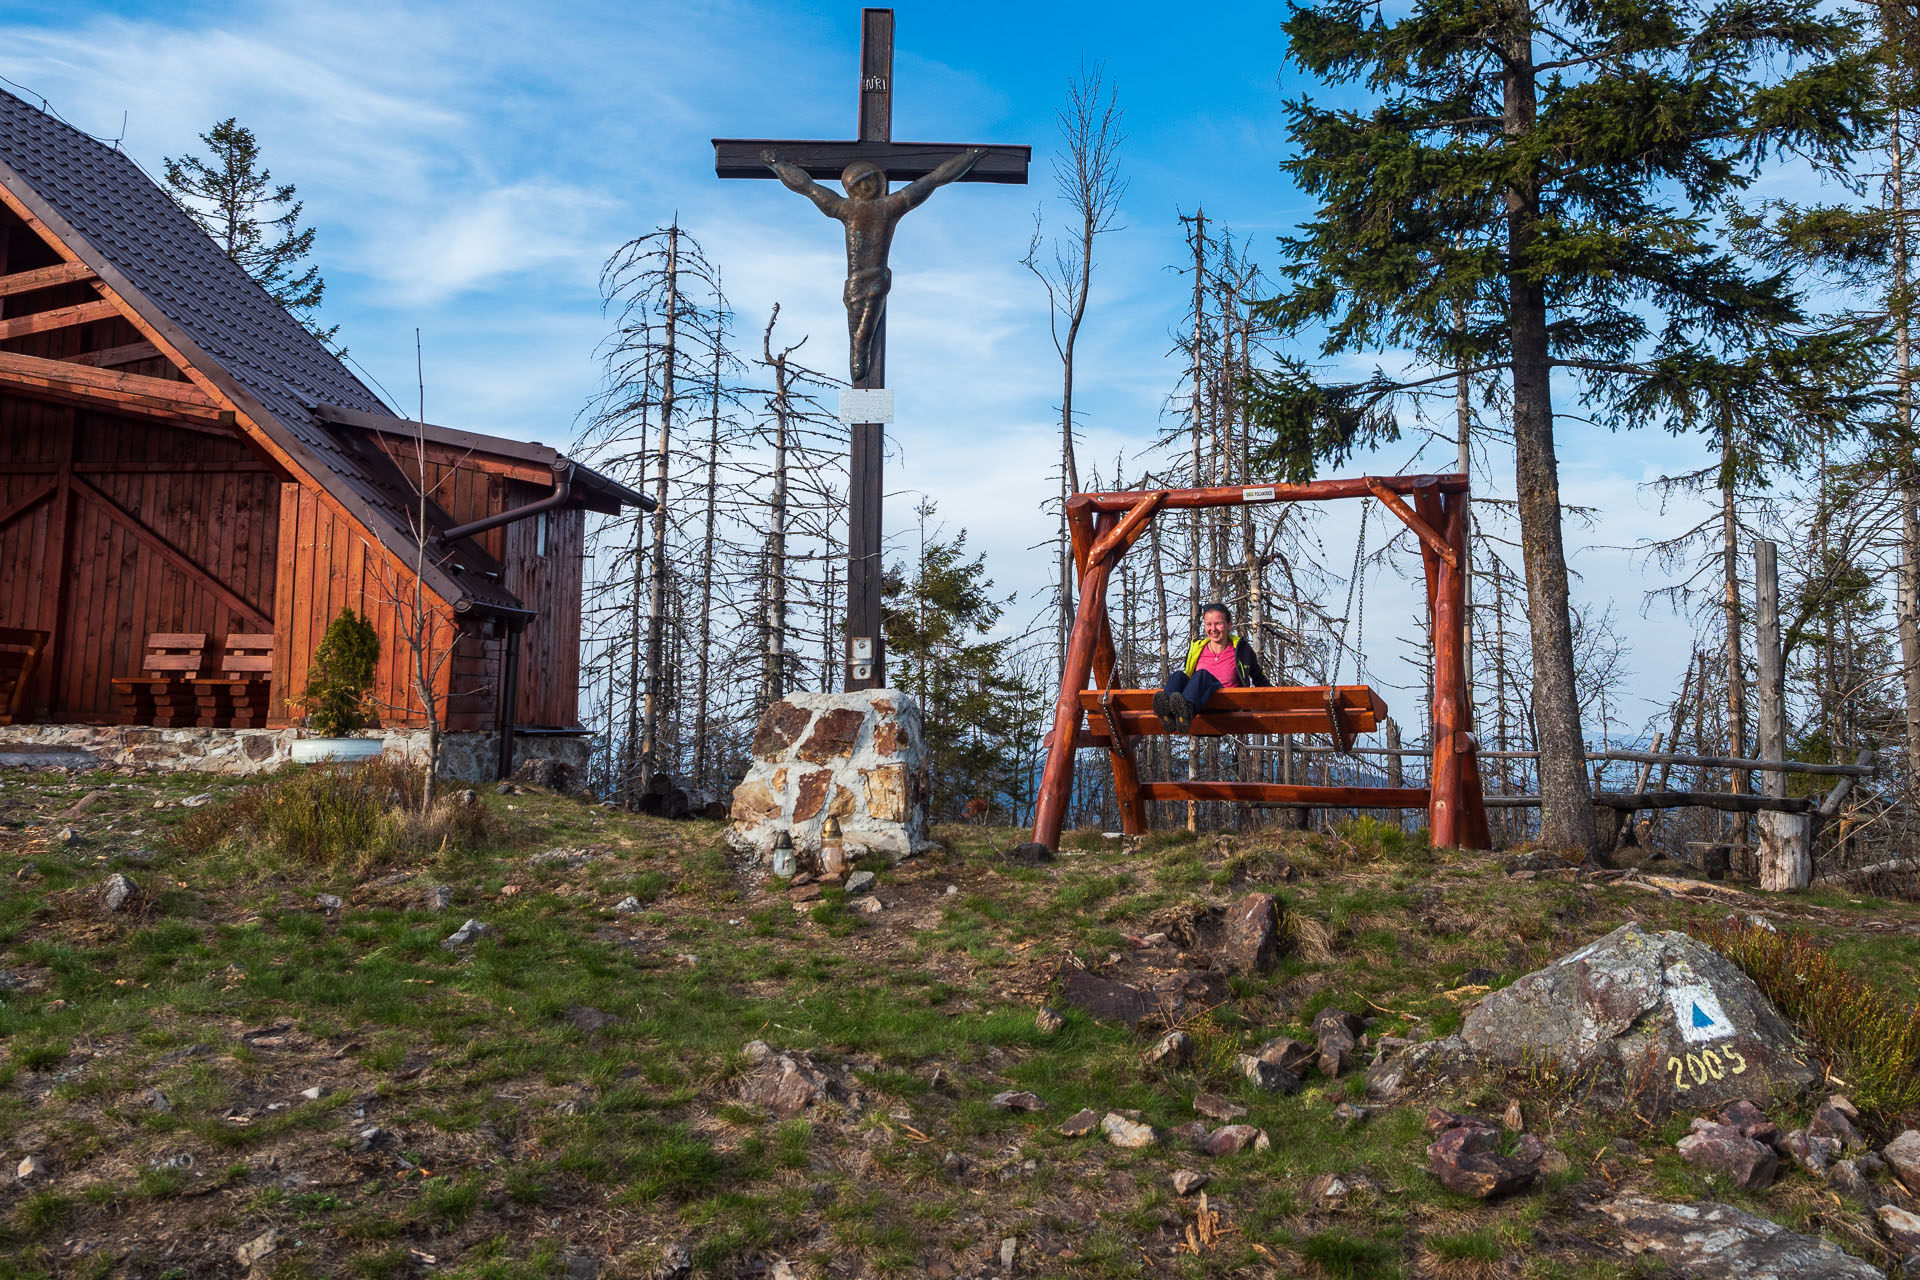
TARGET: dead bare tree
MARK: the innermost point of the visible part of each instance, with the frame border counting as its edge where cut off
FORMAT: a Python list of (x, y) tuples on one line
[(1087, 176)]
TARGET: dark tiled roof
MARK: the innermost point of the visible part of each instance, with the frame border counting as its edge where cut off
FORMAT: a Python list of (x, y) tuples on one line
[(123, 225)]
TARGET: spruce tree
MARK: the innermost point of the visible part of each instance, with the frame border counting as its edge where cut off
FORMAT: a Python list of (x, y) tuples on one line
[(1531, 193), (255, 222)]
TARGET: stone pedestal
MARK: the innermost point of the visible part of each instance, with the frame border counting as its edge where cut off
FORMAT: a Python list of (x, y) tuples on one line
[(1785, 850), (858, 757)]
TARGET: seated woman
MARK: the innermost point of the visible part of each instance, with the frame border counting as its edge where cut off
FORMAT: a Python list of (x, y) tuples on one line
[(1216, 660)]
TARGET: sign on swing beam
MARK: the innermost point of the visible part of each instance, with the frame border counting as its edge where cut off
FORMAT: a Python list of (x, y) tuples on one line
[(1264, 494)]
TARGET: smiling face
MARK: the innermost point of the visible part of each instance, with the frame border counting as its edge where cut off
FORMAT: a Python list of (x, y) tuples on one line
[(1213, 625)]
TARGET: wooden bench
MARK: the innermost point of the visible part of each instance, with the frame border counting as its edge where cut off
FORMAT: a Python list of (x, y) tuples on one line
[(1115, 717), (237, 697), (20, 651), (165, 695)]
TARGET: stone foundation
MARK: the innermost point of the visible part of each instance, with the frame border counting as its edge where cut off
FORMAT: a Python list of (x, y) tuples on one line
[(857, 757), (472, 758)]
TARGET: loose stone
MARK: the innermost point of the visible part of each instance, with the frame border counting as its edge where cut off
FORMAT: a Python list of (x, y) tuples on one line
[(1175, 1049), (1724, 1150), (1233, 1138), (1081, 1123), (328, 902), (1048, 1020), (1349, 1116), (30, 1168), (1215, 1107), (1122, 1132), (471, 931), (1266, 1076), (1187, 1181), (1019, 1100), (1903, 1153), (117, 891)]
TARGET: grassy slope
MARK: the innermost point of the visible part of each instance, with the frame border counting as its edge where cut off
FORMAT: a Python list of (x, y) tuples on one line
[(520, 1138)]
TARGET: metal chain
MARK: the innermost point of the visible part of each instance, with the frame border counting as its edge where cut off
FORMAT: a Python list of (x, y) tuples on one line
[(1353, 583)]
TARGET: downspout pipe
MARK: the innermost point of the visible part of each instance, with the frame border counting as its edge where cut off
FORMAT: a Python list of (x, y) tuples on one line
[(562, 490), (509, 698)]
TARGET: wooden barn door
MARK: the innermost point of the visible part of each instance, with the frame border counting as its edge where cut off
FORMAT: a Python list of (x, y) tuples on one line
[(112, 528)]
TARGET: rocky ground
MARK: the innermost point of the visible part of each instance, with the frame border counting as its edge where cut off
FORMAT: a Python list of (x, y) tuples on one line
[(592, 1045)]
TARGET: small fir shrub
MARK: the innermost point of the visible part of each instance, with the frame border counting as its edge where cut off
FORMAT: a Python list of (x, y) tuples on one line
[(341, 676)]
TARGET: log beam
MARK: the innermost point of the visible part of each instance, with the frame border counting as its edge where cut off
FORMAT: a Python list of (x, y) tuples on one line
[(1288, 794), (134, 392), (44, 277), (58, 318)]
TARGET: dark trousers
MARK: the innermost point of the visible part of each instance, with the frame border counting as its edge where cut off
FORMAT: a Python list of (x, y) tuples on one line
[(1195, 688)]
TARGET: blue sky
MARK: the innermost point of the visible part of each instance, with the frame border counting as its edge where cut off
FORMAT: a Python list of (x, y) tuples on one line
[(469, 167)]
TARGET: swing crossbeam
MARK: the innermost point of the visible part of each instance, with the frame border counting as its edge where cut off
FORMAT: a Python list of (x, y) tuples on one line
[(1104, 526)]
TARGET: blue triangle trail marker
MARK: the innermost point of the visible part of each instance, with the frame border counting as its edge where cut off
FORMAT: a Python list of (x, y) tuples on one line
[(1700, 1018)]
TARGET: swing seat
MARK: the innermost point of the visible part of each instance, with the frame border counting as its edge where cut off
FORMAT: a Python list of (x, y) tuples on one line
[(1290, 709), (1294, 709)]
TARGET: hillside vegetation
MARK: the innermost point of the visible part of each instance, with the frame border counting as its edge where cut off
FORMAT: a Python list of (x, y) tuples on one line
[(233, 1073)]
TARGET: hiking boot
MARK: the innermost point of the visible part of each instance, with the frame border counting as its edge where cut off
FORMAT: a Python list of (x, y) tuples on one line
[(1163, 707), (1182, 718)]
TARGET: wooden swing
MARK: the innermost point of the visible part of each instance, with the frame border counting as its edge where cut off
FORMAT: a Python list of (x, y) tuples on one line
[(1104, 526)]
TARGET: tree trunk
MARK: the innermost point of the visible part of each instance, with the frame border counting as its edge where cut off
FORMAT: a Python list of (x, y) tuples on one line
[(1566, 799), (657, 596), (1907, 605), (1741, 781), (703, 657)]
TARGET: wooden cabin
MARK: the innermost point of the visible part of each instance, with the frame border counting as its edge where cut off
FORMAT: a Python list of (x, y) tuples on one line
[(179, 455)]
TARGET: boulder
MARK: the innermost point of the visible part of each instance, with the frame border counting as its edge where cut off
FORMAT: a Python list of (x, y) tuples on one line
[(1711, 1241), (1250, 938), (1634, 998)]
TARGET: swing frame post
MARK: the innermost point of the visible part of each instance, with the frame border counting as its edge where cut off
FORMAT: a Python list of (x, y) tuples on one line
[(1104, 526)]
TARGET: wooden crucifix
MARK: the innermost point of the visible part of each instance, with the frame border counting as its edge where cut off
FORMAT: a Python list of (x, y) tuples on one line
[(869, 212)]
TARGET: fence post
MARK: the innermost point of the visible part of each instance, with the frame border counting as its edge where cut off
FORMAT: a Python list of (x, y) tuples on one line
[(1773, 719)]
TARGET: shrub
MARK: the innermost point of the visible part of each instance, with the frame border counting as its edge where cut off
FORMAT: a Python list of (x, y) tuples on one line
[(346, 819), (1872, 1034), (341, 675)]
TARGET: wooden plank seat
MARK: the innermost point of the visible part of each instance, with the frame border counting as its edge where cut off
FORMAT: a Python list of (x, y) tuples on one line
[(1292, 709), (20, 651), (1296, 709), (164, 696), (237, 697)]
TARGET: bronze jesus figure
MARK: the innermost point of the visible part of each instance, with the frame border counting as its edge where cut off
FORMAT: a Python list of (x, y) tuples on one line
[(869, 213)]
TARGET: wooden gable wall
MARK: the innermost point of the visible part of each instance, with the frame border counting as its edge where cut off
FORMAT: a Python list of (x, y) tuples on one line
[(112, 528)]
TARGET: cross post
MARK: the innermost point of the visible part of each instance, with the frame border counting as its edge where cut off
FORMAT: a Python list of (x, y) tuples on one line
[(865, 652)]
